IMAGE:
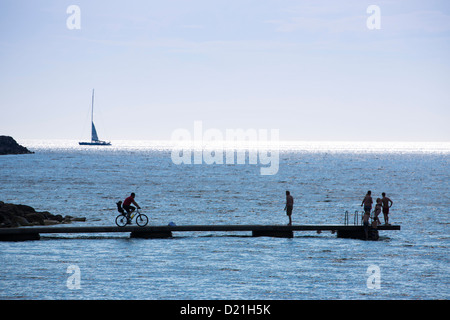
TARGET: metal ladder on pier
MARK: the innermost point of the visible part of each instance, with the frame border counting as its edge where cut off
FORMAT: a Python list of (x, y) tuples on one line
[(357, 218)]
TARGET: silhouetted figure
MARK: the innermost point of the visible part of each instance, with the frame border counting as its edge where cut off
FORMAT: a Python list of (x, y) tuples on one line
[(367, 202), (128, 207), (378, 207), (289, 206), (385, 201)]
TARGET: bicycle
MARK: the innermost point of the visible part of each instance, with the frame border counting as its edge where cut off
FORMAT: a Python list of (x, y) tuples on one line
[(122, 219)]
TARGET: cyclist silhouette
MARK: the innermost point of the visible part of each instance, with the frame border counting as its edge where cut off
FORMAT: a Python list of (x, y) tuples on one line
[(127, 204)]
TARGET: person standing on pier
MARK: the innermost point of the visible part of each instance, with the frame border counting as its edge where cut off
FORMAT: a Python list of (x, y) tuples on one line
[(367, 202), (289, 206), (385, 201), (378, 207), (366, 218)]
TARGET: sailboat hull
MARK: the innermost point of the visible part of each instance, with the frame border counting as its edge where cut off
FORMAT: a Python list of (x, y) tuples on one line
[(95, 143)]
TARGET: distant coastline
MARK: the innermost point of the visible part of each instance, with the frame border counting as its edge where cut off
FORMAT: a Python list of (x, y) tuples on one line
[(302, 146), (9, 146)]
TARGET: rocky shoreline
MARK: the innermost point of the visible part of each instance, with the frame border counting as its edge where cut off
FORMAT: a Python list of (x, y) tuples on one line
[(9, 146), (18, 215)]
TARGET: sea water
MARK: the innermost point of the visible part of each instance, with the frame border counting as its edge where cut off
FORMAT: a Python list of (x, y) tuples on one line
[(325, 179)]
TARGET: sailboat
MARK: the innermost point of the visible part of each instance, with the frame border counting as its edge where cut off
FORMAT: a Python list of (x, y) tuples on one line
[(94, 137)]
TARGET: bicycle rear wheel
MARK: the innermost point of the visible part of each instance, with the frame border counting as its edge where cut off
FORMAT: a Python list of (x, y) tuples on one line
[(121, 220), (141, 220)]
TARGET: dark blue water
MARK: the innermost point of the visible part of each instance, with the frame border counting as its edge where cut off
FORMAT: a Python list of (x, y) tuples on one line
[(413, 263)]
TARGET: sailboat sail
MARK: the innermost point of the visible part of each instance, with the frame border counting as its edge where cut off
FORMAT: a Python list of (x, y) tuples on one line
[(94, 136)]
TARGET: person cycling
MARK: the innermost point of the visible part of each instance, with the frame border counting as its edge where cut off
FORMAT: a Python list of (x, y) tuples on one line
[(127, 205)]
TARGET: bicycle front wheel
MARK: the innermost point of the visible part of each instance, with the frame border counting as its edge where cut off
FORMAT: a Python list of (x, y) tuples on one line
[(121, 220), (141, 220)]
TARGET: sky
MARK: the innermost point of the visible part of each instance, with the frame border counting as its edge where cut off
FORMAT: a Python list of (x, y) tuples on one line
[(313, 70)]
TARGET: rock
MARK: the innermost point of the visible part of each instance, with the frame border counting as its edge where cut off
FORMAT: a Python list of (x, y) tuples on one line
[(16, 215), (25, 209), (6, 215), (47, 215), (50, 222), (36, 218), (9, 146), (82, 219), (5, 222), (21, 221), (69, 219)]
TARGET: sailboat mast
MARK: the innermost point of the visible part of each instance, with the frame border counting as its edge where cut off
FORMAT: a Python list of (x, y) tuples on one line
[(92, 116)]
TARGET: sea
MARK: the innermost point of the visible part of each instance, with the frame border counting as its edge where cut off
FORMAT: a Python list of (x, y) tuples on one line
[(326, 179)]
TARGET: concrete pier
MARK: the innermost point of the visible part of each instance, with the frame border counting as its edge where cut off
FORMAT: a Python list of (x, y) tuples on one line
[(150, 232)]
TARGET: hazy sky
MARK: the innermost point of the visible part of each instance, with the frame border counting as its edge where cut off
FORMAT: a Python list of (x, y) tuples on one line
[(312, 69)]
